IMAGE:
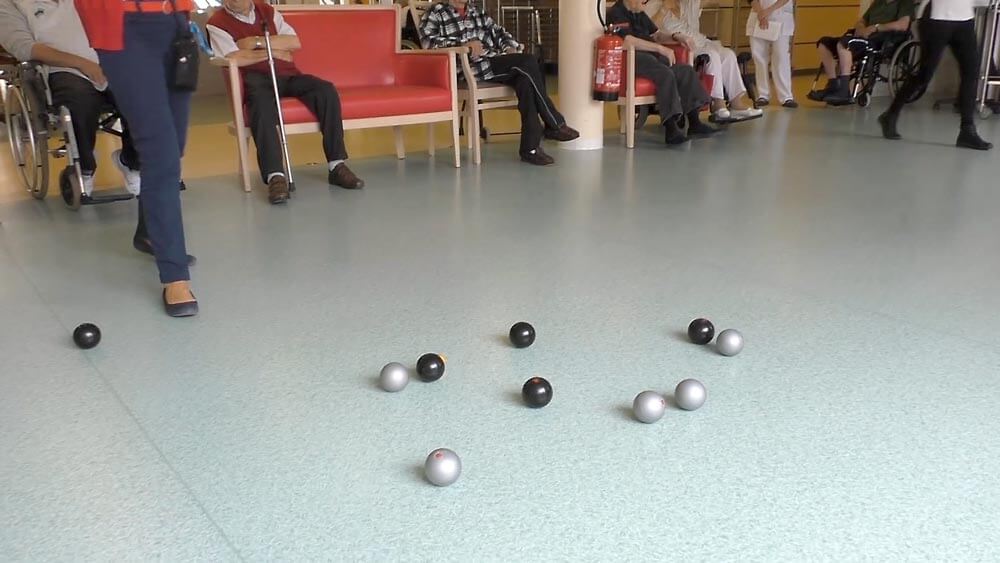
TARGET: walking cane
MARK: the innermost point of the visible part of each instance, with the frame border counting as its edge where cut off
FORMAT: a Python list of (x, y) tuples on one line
[(281, 117)]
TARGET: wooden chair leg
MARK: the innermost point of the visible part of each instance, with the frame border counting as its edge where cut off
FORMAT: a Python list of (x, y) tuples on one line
[(400, 149), (473, 133), (242, 152), (456, 143), (430, 139), (630, 125)]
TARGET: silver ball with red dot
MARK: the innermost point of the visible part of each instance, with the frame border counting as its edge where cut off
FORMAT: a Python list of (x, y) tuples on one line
[(442, 467)]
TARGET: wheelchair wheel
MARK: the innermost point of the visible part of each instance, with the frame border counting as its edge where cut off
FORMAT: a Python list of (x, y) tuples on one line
[(864, 99), (28, 143), (904, 66), (70, 188)]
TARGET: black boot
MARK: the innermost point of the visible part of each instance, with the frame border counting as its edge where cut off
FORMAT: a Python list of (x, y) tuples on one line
[(672, 132), (888, 122), (698, 128), (968, 138), (841, 96), (820, 95)]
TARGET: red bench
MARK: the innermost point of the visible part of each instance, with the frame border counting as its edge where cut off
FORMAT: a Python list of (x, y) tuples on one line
[(357, 49)]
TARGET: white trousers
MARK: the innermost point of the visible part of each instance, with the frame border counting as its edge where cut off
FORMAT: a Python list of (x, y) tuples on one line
[(723, 66), (779, 54)]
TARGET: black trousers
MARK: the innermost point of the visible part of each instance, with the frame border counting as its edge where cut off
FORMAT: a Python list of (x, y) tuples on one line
[(935, 35), (521, 72), (317, 94), (85, 104), (678, 88)]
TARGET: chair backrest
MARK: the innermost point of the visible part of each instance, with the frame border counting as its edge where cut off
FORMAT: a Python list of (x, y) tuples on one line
[(348, 45)]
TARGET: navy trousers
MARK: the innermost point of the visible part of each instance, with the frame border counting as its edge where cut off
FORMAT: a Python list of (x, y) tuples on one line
[(157, 118)]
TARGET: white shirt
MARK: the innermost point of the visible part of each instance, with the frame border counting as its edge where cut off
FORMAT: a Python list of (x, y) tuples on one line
[(784, 15), (223, 44), (952, 10), (54, 23)]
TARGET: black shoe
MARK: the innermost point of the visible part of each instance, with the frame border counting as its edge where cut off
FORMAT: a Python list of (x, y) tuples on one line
[(562, 134), (183, 309), (968, 138), (672, 134), (762, 102), (888, 122), (790, 104), (537, 157), (820, 95), (143, 245), (701, 130)]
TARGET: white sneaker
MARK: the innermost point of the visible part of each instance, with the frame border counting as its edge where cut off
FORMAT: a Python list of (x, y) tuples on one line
[(722, 114), (131, 176), (88, 184), (744, 114)]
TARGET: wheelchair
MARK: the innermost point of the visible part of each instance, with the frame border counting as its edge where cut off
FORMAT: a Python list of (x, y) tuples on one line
[(901, 56), (32, 121)]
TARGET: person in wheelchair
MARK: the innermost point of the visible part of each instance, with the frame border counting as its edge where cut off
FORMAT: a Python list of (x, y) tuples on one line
[(679, 93), (884, 21), (495, 57), (50, 32), (680, 20)]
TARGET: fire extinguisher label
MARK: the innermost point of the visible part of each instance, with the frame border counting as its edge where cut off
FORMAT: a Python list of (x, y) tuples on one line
[(599, 76)]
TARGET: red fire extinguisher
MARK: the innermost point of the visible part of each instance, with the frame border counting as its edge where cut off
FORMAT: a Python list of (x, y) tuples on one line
[(609, 52)]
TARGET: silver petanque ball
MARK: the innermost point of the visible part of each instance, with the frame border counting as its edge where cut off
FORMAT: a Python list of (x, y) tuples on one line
[(393, 377), (649, 406), (729, 342), (690, 394), (442, 467)]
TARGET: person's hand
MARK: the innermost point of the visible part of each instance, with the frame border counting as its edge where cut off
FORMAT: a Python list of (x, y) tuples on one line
[(248, 43), (475, 48), (93, 71), (762, 21), (669, 54), (687, 41), (282, 55), (864, 32), (511, 50)]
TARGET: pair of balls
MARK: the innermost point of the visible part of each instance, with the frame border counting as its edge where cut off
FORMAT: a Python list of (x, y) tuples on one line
[(650, 406), (728, 343), (395, 376)]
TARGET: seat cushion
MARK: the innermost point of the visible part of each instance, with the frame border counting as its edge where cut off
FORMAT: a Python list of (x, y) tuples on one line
[(358, 102)]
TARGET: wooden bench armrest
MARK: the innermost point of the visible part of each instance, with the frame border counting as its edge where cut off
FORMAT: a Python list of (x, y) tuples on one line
[(221, 61), (455, 50)]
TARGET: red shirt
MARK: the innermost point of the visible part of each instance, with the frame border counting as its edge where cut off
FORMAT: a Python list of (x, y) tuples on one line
[(104, 21)]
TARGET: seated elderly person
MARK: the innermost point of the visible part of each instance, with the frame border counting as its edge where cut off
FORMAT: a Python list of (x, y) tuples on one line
[(235, 32), (50, 32), (884, 20), (679, 19), (679, 93), (494, 58)]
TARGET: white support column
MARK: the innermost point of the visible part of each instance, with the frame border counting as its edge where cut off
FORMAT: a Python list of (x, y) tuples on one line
[(578, 28)]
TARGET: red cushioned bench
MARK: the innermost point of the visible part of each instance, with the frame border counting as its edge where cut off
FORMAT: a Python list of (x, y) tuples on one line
[(357, 48), (638, 91)]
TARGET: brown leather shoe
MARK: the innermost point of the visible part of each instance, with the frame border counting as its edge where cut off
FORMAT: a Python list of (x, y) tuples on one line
[(563, 133), (277, 190), (342, 176), (537, 157)]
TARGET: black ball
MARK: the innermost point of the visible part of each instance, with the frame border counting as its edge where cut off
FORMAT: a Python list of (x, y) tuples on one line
[(430, 367), (87, 336), (701, 331), (522, 335), (537, 392)]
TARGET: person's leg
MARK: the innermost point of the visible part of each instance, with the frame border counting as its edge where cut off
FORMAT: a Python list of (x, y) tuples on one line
[(714, 68), (668, 97), (934, 37), (323, 101), (509, 69), (138, 76), (827, 58), (841, 93), (761, 50), (845, 60), (732, 79), (965, 47), (262, 111), (84, 103), (781, 67)]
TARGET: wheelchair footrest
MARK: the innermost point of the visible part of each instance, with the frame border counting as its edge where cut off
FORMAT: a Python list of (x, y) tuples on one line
[(101, 197)]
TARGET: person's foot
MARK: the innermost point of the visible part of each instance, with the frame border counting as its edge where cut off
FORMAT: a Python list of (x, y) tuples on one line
[(888, 122), (88, 184), (701, 130), (178, 300), (537, 157), (968, 138), (745, 114), (132, 182), (790, 104), (342, 176), (841, 96), (762, 102), (277, 189), (722, 114), (672, 133), (820, 95), (562, 134)]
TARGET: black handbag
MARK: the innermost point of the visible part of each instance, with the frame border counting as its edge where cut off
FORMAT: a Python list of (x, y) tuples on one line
[(184, 55)]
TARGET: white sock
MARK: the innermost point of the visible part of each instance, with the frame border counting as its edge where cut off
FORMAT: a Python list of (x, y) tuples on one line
[(273, 174), (334, 163)]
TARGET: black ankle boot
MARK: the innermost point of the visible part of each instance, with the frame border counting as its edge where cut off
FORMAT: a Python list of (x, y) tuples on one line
[(888, 122), (672, 133), (968, 138)]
